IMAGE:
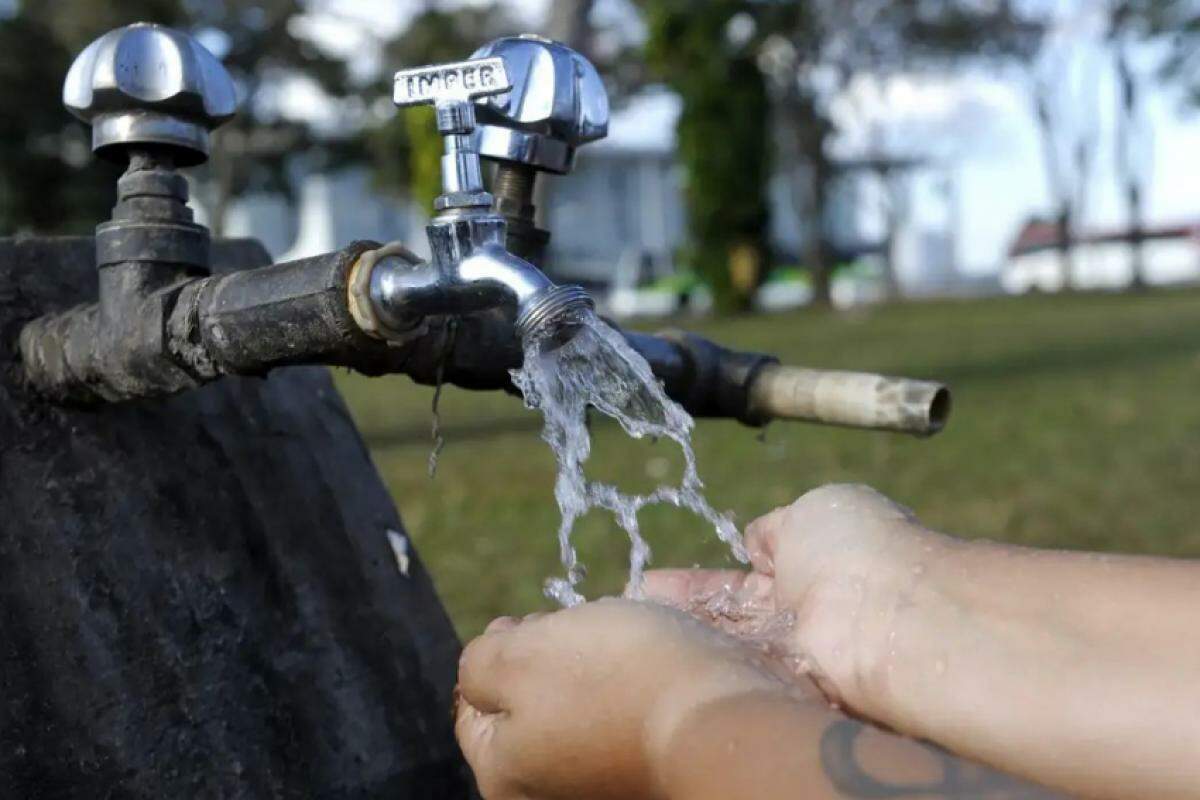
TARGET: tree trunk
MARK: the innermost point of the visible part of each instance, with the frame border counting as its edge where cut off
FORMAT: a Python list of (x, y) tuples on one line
[(1127, 168), (817, 251), (810, 190), (1059, 184), (568, 23), (893, 187), (1137, 236), (1066, 246)]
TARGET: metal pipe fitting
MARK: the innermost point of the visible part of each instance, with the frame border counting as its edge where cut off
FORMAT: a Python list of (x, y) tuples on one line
[(183, 335), (152, 94), (403, 295), (512, 189), (471, 270)]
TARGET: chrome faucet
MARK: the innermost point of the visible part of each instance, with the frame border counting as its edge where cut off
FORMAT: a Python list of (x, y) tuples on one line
[(471, 269)]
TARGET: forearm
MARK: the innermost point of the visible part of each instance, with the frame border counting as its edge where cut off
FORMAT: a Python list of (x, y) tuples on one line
[(765, 747), (1077, 670)]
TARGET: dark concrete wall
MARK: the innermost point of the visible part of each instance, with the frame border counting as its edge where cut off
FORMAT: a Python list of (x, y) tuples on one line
[(197, 595)]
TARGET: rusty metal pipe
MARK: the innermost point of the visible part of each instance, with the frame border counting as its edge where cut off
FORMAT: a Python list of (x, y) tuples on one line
[(850, 399)]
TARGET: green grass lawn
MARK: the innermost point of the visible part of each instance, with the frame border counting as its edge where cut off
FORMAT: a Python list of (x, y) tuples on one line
[(1076, 424)]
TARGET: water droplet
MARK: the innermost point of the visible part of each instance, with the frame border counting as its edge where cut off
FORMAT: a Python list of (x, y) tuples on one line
[(561, 592)]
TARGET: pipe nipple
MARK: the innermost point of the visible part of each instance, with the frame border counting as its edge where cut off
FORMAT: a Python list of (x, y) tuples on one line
[(553, 316)]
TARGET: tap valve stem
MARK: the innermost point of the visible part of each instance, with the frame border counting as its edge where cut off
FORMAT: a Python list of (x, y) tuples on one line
[(461, 173), (450, 89)]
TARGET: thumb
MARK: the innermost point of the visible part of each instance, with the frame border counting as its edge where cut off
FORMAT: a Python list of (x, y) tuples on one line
[(762, 539)]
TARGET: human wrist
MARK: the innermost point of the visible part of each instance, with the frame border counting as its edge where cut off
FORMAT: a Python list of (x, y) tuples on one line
[(721, 680), (718, 747), (922, 609)]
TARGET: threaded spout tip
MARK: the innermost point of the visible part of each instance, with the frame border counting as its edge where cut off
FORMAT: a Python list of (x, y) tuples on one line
[(553, 315)]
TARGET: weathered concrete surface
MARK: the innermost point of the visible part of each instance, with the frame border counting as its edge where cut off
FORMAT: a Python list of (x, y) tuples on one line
[(197, 594)]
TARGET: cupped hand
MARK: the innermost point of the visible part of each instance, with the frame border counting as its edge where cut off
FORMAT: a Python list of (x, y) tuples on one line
[(582, 703), (830, 574)]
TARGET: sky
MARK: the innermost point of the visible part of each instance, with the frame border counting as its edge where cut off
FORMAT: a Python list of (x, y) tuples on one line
[(976, 124), (980, 128)]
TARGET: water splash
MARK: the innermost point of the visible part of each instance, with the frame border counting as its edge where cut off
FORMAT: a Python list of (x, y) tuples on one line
[(598, 368)]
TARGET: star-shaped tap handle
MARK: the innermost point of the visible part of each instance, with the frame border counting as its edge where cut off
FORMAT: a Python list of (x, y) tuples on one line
[(148, 85), (451, 90)]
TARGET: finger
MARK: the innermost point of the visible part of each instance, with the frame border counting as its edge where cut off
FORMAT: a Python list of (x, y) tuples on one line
[(762, 539), (682, 587), (534, 617), (729, 590), (476, 732), (501, 624), (485, 670)]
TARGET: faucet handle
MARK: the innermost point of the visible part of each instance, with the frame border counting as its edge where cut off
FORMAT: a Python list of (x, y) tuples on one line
[(557, 105), (146, 84), (450, 89), (450, 86)]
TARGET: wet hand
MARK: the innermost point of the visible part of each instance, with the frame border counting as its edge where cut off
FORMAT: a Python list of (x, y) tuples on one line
[(831, 573), (583, 703)]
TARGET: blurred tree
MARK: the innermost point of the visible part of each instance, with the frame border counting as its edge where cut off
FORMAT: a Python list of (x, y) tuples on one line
[(1129, 22), (48, 179), (1176, 23), (406, 148), (1065, 94), (813, 49), (567, 22), (723, 141), (1130, 25), (263, 50), (804, 54)]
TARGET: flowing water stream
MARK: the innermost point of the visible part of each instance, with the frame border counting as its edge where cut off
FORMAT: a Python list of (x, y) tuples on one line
[(598, 368)]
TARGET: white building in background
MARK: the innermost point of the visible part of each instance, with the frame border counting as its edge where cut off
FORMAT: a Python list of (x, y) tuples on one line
[(619, 216), (1100, 259), (331, 210)]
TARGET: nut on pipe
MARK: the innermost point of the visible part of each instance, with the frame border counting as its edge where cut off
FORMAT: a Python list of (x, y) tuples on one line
[(358, 289), (850, 399)]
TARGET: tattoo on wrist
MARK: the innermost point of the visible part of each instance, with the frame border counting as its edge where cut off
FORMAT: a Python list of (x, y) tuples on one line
[(960, 780)]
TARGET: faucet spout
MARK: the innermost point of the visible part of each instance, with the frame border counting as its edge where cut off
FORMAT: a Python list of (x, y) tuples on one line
[(471, 271), (493, 265), (543, 309)]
